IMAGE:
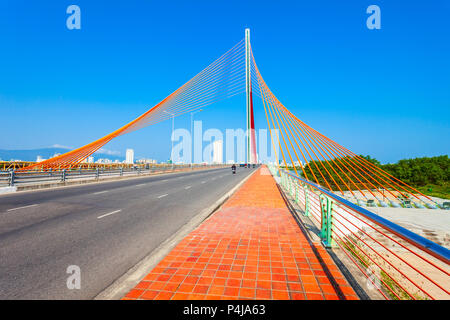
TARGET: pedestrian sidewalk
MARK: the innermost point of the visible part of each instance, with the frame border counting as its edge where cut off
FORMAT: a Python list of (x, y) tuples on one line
[(252, 248)]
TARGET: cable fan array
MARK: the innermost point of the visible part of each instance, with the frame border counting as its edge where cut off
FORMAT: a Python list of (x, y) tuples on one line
[(321, 160), (222, 79), (302, 149)]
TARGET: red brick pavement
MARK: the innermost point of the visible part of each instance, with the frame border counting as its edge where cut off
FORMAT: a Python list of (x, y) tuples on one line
[(252, 248)]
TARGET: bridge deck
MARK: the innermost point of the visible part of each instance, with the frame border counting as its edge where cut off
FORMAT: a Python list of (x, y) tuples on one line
[(252, 248)]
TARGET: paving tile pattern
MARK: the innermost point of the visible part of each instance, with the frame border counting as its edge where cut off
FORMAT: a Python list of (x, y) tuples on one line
[(252, 248)]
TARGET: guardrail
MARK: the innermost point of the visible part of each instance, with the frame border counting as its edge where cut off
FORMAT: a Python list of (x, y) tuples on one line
[(16, 178), (396, 262)]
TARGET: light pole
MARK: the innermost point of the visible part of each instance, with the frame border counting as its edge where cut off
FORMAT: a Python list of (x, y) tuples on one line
[(192, 134), (173, 126)]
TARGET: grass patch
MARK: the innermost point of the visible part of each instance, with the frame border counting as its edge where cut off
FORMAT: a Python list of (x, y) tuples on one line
[(440, 191)]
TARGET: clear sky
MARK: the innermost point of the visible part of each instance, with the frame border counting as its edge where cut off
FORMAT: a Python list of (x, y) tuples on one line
[(380, 92)]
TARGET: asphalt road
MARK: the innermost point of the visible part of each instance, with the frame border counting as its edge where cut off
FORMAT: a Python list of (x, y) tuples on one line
[(104, 228)]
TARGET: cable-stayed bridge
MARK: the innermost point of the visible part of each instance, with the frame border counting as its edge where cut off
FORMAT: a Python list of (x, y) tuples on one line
[(252, 247), (303, 149)]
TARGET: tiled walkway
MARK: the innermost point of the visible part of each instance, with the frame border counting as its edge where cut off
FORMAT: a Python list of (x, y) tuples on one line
[(252, 248)]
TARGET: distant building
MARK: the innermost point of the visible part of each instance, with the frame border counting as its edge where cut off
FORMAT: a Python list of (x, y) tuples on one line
[(104, 161), (129, 158), (40, 159), (146, 161), (217, 151), (89, 159)]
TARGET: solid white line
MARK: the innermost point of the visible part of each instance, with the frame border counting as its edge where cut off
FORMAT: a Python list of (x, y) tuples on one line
[(187, 187), (108, 214), (163, 195), (31, 205), (100, 192)]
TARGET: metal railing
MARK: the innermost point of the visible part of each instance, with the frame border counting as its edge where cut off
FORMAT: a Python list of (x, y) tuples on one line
[(397, 263), (16, 178)]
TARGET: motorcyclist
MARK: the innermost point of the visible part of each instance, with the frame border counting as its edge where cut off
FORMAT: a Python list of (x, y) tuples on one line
[(233, 168)]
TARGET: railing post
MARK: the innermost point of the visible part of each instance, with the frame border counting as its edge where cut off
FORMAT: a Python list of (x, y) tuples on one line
[(121, 171), (326, 208), (294, 188), (306, 191), (11, 178), (63, 175), (290, 184), (97, 173)]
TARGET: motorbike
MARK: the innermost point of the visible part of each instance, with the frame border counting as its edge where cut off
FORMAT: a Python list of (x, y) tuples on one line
[(233, 169)]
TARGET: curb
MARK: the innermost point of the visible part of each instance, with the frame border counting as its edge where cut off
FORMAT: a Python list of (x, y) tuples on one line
[(120, 287)]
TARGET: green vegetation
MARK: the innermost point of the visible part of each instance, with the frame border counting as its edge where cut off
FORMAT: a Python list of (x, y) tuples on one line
[(429, 175), (419, 172), (440, 191)]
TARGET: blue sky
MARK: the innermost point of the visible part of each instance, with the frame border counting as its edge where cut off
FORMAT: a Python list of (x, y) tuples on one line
[(380, 92)]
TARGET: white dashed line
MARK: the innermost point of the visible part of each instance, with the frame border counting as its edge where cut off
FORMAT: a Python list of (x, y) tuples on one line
[(108, 214), (163, 195), (140, 185), (100, 192), (203, 181), (187, 187), (31, 205)]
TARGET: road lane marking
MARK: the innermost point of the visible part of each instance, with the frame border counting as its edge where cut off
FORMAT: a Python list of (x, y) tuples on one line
[(163, 195), (108, 214), (203, 181), (187, 187), (100, 192), (140, 185), (31, 205)]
